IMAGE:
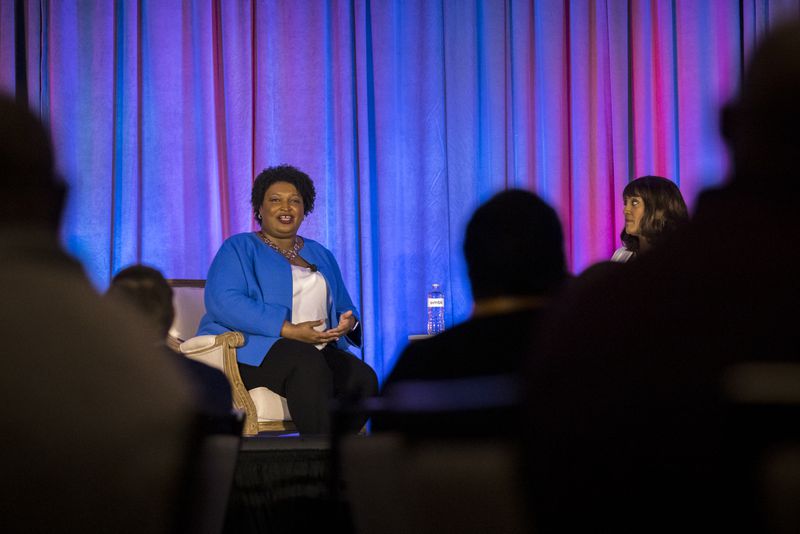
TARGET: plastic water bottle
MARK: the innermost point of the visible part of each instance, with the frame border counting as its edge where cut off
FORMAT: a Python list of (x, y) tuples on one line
[(435, 310)]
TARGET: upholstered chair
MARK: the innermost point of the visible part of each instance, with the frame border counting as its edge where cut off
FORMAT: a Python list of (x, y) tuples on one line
[(264, 409)]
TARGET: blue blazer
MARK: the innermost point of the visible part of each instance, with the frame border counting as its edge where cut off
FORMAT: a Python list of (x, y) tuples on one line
[(249, 290)]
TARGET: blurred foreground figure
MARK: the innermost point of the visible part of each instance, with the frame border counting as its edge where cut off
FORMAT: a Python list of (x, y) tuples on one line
[(95, 425), (514, 251), (632, 426), (515, 257), (147, 292)]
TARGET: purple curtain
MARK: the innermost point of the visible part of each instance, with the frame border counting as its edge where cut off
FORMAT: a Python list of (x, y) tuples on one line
[(407, 114)]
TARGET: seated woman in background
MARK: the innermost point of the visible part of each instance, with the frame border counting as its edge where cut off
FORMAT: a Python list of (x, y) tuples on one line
[(654, 208), (286, 295)]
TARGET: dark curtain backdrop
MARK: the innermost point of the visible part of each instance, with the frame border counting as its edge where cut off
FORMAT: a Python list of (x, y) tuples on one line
[(407, 114)]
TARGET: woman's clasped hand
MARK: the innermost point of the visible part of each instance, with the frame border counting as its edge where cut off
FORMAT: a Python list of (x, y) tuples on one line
[(307, 333)]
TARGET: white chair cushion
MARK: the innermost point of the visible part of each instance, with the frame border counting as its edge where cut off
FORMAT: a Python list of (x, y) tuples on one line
[(202, 349), (269, 405), (189, 310)]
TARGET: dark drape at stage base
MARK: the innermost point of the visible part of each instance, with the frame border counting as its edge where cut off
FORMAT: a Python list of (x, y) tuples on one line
[(282, 485)]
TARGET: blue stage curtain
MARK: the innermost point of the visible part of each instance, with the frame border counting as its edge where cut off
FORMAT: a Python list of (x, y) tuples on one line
[(406, 113)]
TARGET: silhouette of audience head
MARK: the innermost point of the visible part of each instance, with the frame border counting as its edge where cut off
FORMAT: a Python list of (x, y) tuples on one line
[(514, 247), (663, 211), (30, 193), (147, 291), (762, 125)]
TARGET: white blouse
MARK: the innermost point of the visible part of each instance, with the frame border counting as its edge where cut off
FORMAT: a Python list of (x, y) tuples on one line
[(309, 298), (621, 255)]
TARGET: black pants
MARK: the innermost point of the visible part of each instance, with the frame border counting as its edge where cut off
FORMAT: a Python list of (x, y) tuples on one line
[(309, 378)]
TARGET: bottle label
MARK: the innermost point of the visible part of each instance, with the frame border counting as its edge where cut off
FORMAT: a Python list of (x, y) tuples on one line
[(436, 303)]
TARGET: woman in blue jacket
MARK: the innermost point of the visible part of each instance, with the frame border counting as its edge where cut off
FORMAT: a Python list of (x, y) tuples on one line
[(286, 295)]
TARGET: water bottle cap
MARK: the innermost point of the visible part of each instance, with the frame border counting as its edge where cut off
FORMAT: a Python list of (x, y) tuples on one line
[(436, 286)]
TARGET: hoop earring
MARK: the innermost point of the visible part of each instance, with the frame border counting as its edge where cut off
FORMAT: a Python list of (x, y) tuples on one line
[(258, 217)]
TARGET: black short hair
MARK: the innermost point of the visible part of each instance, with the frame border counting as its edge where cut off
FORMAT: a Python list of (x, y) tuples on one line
[(514, 246), (288, 174), (148, 292), (664, 210)]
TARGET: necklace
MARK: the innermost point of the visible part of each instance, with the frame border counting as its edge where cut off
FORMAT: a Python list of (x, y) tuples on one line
[(288, 254)]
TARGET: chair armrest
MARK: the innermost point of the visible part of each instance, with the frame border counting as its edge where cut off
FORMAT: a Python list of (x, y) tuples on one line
[(215, 350), (202, 343), (198, 343)]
